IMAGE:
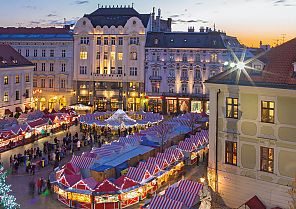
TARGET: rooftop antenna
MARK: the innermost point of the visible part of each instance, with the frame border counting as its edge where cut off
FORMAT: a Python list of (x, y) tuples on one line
[(214, 26), (283, 37)]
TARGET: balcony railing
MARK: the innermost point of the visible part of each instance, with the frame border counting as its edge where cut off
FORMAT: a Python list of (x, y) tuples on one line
[(155, 78)]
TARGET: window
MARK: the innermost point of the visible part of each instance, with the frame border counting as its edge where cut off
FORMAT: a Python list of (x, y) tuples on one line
[(232, 107), (99, 40), (42, 83), (83, 55), (119, 70), (213, 73), (19, 51), (113, 42), (155, 71), (5, 97), (27, 52), (83, 70), (197, 74), (156, 41), (133, 71), (184, 88), (17, 95), (172, 57), (106, 41), (267, 111), (17, 79), (63, 53), (35, 67), (50, 82), (35, 52), (5, 80), (184, 73), (63, 67), (98, 55), (43, 53), (84, 40), (134, 40), (184, 58), (42, 66), (105, 55), (120, 56), (197, 57), (230, 153), (171, 73), (214, 57), (113, 70), (27, 78), (51, 53), (63, 83), (155, 87), (27, 94), (171, 88), (133, 56), (34, 82), (120, 41), (51, 67), (266, 159)]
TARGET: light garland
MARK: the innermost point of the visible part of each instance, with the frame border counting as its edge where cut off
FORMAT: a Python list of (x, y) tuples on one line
[(8, 201)]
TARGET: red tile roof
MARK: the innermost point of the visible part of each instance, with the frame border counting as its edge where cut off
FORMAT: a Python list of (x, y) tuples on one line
[(11, 58), (37, 30), (278, 72)]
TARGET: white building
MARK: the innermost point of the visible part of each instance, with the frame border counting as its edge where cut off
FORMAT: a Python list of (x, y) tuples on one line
[(178, 63), (109, 54), (51, 50), (16, 81)]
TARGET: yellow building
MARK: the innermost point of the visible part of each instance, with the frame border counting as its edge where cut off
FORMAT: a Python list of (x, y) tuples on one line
[(253, 130)]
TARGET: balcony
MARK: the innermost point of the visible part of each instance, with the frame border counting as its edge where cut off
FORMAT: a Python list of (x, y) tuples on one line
[(155, 78), (108, 77), (184, 78)]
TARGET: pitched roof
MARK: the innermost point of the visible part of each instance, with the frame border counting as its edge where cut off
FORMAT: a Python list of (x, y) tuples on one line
[(115, 16), (11, 58), (185, 40), (22, 33), (277, 73)]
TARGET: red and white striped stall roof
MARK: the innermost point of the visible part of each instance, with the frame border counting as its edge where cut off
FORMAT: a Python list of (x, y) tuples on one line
[(129, 140), (187, 146), (152, 168), (69, 180), (188, 198), (170, 158), (204, 135), (82, 162), (190, 186), (124, 182), (176, 152), (71, 169), (138, 174), (162, 163), (86, 184), (161, 202), (195, 141)]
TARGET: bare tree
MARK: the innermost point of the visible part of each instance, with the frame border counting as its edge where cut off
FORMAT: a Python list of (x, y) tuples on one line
[(163, 133)]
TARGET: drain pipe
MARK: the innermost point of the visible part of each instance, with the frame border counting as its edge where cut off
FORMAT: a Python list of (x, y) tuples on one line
[(216, 154)]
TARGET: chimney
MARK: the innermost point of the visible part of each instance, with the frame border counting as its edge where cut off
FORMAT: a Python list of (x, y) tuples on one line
[(153, 13), (191, 29), (169, 24), (202, 29), (207, 29), (159, 12), (260, 44)]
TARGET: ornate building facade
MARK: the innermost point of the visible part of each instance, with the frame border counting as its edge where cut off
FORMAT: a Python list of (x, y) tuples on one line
[(178, 63), (16, 81), (109, 54), (51, 51)]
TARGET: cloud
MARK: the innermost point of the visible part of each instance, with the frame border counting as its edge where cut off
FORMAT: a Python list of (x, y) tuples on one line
[(34, 22), (80, 2), (174, 16), (285, 3), (51, 15), (189, 21)]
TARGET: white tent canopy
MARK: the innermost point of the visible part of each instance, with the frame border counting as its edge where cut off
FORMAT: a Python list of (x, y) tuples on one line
[(120, 117)]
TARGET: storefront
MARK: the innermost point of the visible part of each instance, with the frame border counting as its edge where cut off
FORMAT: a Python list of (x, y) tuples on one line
[(106, 202), (154, 104), (133, 104), (184, 104), (101, 104), (115, 104), (172, 104)]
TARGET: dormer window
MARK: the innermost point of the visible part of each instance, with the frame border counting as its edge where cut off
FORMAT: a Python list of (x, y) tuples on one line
[(134, 22), (156, 41)]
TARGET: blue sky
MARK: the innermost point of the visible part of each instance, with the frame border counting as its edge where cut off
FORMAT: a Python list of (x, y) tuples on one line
[(249, 20)]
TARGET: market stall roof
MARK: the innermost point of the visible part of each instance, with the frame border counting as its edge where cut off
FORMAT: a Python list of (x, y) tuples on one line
[(195, 141), (69, 180), (120, 116), (187, 146), (255, 203), (190, 186), (106, 187), (170, 158), (100, 168), (138, 174), (71, 169), (176, 152), (188, 198), (39, 122), (82, 162), (161, 202), (162, 163), (124, 182), (86, 184), (152, 168)]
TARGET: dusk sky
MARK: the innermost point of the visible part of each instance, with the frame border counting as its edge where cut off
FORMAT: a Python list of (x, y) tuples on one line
[(249, 20)]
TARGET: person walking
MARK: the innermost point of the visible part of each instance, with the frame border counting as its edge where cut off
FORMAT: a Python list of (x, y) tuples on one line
[(197, 161), (78, 145), (39, 185)]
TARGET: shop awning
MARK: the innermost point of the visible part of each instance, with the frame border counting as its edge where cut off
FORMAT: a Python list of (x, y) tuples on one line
[(255, 203)]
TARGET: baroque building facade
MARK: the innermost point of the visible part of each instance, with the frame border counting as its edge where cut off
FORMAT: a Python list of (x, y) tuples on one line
[(109, 54), (16, 81), (51, 51), (252, 132), (177, 65)]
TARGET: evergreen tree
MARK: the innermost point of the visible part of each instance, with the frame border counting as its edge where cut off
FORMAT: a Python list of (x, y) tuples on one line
[(7, 201)]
